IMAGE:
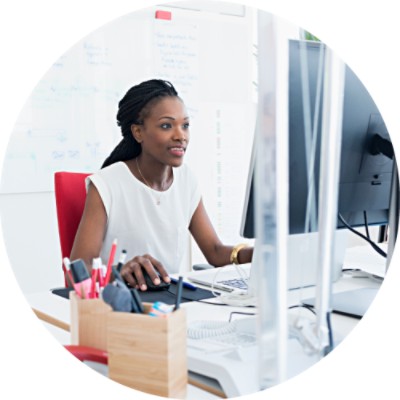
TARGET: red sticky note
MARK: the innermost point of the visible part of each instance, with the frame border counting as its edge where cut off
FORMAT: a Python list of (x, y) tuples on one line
[(163, 15)]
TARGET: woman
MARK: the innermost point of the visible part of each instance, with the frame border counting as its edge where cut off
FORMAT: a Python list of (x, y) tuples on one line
[(145, 198)]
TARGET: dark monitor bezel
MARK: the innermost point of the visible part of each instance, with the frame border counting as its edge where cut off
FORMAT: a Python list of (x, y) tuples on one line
[(365, 179)]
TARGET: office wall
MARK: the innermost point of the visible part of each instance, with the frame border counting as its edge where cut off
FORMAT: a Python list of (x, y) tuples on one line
[(68, 122)]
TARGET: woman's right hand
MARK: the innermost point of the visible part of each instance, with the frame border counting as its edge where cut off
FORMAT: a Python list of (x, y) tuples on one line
[(132, 271)]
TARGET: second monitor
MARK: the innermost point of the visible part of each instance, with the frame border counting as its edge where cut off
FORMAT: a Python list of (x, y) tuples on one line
[(364, 184)]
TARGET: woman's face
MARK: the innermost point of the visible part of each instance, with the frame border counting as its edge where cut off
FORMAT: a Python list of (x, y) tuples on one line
[(164, 134)]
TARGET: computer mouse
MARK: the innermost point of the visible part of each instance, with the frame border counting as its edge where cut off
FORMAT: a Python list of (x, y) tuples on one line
[(150, 284)]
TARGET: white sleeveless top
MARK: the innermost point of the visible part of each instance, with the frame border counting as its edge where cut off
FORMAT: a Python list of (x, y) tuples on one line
[(139, 224)]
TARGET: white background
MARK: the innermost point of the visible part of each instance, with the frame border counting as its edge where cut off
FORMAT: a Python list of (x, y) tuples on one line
[(33, 34)]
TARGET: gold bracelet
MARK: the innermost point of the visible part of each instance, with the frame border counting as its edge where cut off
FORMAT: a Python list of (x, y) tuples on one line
[(235, 253)]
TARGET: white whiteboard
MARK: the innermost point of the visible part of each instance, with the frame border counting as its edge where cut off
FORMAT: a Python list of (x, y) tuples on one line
[(69, 121)]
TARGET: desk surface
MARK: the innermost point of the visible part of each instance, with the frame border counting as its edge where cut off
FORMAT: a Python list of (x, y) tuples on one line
[(55, 312)]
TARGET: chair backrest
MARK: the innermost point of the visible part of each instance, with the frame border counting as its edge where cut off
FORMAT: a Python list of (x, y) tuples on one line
[(70, 193)]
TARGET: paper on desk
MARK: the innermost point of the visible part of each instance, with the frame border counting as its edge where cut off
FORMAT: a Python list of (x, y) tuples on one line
[(366, 259)]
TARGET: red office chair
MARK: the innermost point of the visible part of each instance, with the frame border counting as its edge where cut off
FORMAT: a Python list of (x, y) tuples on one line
[(85, 353), (70, 193)]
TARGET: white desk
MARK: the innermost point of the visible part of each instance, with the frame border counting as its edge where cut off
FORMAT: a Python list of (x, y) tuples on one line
[(55, 312)]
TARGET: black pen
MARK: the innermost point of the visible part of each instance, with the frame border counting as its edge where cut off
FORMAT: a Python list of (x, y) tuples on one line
[(178, 293), (137, 301), (121, 260)]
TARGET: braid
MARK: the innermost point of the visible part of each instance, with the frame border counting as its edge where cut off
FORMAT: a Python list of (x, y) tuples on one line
[(133, 109)]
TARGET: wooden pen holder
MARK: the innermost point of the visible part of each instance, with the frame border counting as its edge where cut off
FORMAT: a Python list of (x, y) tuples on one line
[(148, 353), (89, 321), (145, 353)]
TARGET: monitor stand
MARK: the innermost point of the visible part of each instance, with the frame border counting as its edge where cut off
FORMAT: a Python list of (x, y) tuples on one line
[(353, 303)]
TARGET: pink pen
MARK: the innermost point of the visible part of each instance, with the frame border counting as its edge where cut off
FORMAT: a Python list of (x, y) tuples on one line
[(95, 272), (110, 261), (67, 263)]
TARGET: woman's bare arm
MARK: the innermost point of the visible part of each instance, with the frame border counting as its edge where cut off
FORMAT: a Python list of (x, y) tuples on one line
[(214, 250), (90, 234)]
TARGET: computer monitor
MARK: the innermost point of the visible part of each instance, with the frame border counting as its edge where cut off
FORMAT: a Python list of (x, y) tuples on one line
[(365, 179)]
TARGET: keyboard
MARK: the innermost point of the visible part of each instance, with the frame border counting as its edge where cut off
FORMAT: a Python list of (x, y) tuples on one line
[(222, 343), (235, 339), (235, 283)]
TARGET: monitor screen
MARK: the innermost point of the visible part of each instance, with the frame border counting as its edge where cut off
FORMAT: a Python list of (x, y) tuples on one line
[(365, 179)]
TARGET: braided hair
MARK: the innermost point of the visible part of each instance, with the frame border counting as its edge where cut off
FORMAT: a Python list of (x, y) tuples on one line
[(133, 108)]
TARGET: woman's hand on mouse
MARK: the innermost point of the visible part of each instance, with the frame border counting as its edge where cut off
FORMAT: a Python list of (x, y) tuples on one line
[(132, 271)]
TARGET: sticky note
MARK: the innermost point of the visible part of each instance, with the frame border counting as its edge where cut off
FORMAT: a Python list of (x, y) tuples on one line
[(163, 15)]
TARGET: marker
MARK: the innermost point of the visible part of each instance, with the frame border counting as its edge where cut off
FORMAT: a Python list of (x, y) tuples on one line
[(110, 261), (121, 260), (178, 293), (186, 285), (118, 276), (160, 309), (81, 278), (97, 265)]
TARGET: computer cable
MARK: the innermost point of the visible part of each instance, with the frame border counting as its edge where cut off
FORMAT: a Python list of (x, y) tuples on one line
[(216, 286), (237, 300), (303, 330), (366, 224), (203, 301), (330, 332), (233, 299), (306, 306), (374, 245), (238, 313), (208, 329), (229, 301), (359, 273)]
